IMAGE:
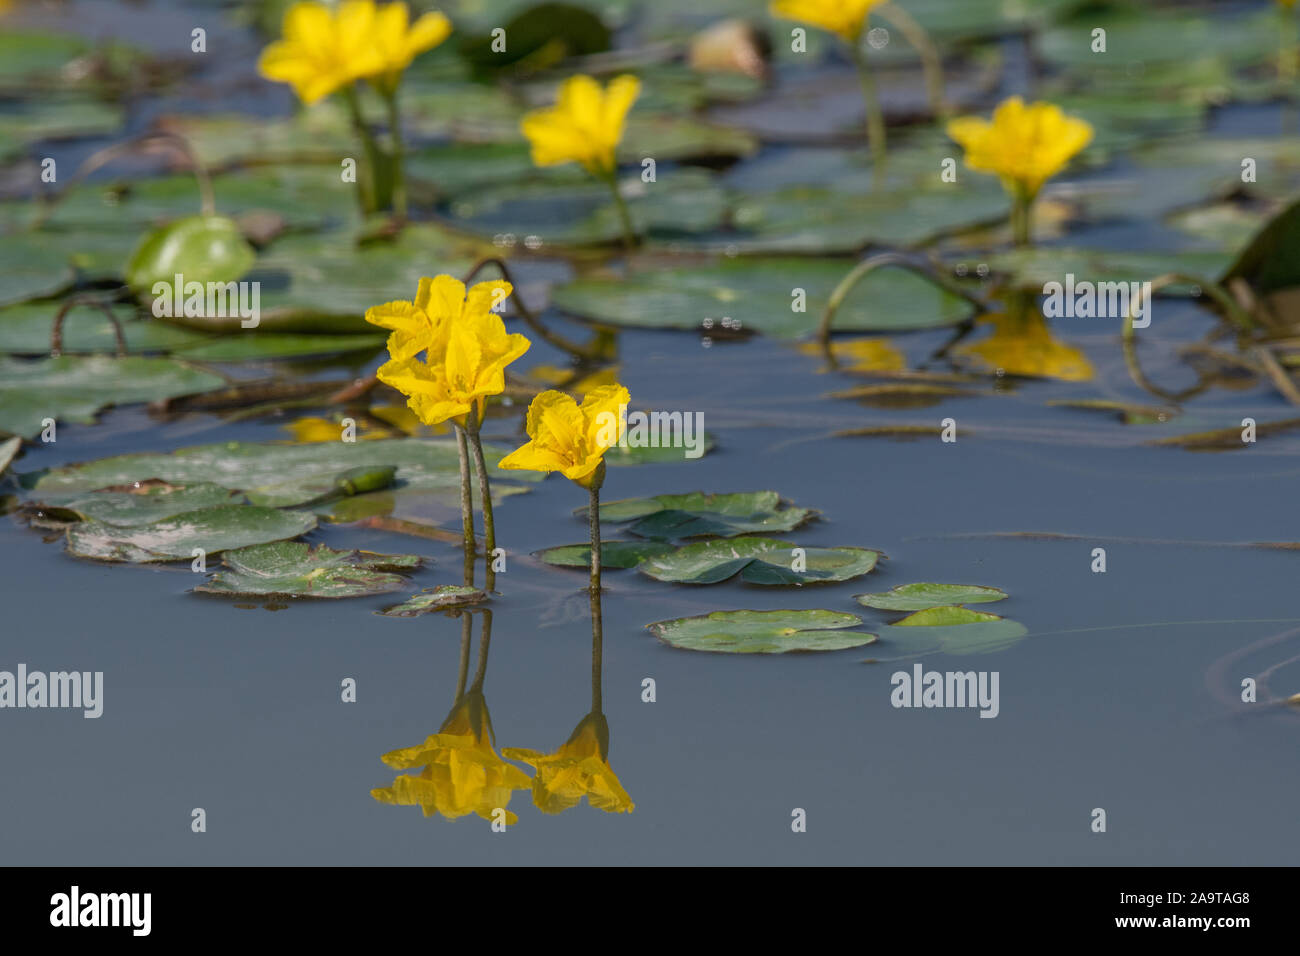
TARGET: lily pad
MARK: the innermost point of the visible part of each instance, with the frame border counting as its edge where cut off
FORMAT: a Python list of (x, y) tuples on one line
[(145, 503), (74, 388), (201, 248), (763, 632), (171, 539), (620, 455), (249, 347), (698, 514), (762, 295), (758, 561), (25, 330), (922, 596), (436, 599), (294, 569), (613, 554), (1033, 268)]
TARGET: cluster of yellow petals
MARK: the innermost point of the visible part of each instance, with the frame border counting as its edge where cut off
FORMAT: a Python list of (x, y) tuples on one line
[(1025, 144), (465, 345), (580, 768), (323, 48), (844, 17), (462, 773), (571, 438), (584, 126)]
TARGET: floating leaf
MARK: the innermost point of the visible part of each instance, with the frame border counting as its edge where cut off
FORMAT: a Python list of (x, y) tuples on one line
[(1225, 439), (613, 554), (294, 569), (25, 330), (757, 293), (175, 538), (698, 514), (1129, 413), (142, 504), (74, 388), (626, 454), (902, 394), (8, 450), (945, 616), (922, 596), (1031, 268), (203, 249), (763, 632), (758, 561), (949, 632), (436, 599), (252, 346)]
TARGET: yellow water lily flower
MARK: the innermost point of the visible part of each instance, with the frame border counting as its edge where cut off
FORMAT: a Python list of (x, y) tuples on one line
[(1025, 145), (471, 368), (845, 17), (462, 773), (580, 768), (399, 41), (323, 50), (1022, 344), (584, 126), (570, 438), (422, 325)]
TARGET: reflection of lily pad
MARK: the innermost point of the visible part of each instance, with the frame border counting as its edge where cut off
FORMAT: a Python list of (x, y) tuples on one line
[(763, 632), (436, 599), (613, 554), (74, 388), (175, 538), (954, 630), (758, 561), (648, 455), (294, 569), (762, 294), (698, 514), (921, 596), (1128, 412)]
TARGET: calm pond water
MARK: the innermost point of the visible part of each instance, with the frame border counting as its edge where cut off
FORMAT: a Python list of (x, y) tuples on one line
[(1122, 696)]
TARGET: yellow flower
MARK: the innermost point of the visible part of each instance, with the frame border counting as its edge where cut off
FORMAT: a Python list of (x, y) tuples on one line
[(322, 50), (578, 769), (845, 17), (398, 44), (440, 303), (1023, 345), (584, 126), (569, 438), (1025, 145), (448, 387), (461, 773)]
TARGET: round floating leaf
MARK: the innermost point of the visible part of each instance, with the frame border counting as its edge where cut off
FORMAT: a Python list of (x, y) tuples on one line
[(199, 248), (921, 596), (25, 330), (175, 538), (74, 388), (294, 569), (143, 504), (436, 599), (758, 561), (945, 616), (613, 554), (698, 514), (1033, 268), (757, 292), (261, 347), (763, 632)]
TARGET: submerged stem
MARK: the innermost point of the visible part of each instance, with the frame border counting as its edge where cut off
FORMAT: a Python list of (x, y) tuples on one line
[(875, 118)]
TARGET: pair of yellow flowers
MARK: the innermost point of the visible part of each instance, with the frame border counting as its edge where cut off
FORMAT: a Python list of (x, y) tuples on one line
[(466, 350)]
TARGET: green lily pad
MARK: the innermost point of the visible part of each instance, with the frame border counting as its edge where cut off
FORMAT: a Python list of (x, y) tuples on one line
[(950, 632), (758, 561), (436, 599), (171, 539), (760, 293), (261, 347), (763, 632), (613, 554), (698, 514), (922, 596), (31, 269), (316, 134), (294, 569), (143, 504), (201, 248), (621, 455), (1033, 268), (74, 388), (25, 330), (57, 118)]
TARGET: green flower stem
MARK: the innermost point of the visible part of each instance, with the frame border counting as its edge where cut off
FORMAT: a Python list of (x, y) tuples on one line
[(369, 193), (629, 233), (931, 61), (593, 521), (870, 99), (466, 506), (485, 492), (1022, 207), (399, 152)]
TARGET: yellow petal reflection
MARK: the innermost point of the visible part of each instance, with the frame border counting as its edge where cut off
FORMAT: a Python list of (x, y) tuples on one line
[(1024, 345), (861, 355), (579, 769)]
